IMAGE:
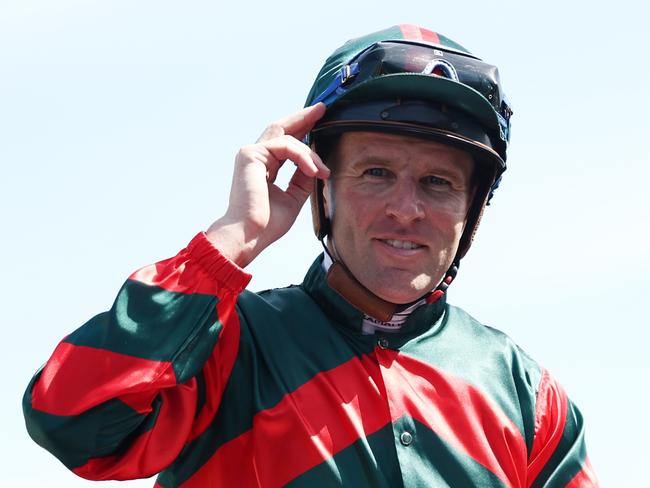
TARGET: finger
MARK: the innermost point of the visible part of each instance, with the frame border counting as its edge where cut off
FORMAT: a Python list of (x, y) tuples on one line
[(271, 132), (296, 124), (302, 155), (281, 148), (272, 172), (272, 155), (303, 120), (322, 170), (300, 131), (300, 187)]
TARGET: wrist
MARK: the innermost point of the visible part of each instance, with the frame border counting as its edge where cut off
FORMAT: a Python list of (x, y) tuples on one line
[(231, 240)]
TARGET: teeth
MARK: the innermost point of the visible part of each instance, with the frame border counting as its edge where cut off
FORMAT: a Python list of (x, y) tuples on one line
[(402, 244)]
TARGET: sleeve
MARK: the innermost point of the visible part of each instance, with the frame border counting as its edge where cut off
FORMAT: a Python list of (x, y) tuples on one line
[(122, 395), (558, 457)]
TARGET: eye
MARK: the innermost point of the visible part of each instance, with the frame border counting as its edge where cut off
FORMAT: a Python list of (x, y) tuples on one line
[(376, 172), (433, 180)]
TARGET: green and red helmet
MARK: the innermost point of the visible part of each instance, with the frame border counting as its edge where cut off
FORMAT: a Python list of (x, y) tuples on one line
[(413, 81)]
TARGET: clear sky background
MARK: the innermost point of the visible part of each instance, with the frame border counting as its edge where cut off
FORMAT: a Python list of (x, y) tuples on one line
[(119, 121)]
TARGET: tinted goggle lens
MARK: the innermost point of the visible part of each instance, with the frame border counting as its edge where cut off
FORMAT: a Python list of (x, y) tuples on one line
[(390, 57), (393, 57)]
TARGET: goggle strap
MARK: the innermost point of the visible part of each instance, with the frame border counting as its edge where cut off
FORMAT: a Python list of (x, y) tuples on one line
[(504, 126), (493, 188), (337, 87)]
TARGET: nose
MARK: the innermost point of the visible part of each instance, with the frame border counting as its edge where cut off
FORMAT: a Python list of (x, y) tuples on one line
[(404, 203)]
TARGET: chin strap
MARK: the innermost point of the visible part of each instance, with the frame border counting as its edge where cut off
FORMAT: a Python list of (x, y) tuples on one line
[(442, 287), (340, 279)]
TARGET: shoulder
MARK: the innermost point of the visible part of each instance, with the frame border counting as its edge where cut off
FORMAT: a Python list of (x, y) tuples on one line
[(550, 423), (498, 345), (282, 316), (290, 300), (500, 360), (500, 368)]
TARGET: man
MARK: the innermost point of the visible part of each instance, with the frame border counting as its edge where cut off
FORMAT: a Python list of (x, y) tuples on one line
[(360, 376)]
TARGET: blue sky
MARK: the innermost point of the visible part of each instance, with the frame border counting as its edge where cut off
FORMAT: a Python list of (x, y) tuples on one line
[(119, 122)]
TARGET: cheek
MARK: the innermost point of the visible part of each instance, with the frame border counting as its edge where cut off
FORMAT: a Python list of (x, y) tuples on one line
[(450, 209), (452, 204), (348, 204), (452, 224), (353, 221)]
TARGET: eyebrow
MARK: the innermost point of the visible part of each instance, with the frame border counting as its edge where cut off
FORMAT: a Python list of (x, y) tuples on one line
[(372, 159)]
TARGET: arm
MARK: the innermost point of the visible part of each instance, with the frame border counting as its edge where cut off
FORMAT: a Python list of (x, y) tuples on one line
[(118, 397), (558, 457), (123, 394)]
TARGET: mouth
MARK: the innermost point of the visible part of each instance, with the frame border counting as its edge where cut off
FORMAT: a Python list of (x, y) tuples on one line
[(400, 244)]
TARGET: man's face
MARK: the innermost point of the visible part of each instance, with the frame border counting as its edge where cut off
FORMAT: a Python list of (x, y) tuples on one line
[(399, 206)]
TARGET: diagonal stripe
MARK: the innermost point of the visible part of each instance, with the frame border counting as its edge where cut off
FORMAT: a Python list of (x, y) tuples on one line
[(586, 478), (458, 412), (217, 368), (153, 450), (368, 462), (72, 383), (276, 355), (76, 439), (309, 425), (550, 418), (342, 405), (154, 324)]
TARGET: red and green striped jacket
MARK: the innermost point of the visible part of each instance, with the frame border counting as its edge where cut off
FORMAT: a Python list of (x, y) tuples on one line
[(190, 376)]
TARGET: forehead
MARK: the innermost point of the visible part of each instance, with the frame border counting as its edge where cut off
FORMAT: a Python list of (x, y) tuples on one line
[(357, 147)]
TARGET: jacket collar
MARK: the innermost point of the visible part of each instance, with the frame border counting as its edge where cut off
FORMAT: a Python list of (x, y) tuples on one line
[(338, 309)]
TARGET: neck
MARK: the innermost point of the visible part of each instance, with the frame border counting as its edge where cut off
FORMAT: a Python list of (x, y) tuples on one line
[(341, 280)]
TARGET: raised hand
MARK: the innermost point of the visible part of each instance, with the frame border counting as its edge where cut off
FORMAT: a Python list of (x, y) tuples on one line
[(259, 212)]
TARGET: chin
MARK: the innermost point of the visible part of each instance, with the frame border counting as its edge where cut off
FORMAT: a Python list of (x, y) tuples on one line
[(409, 292), (401, 299)]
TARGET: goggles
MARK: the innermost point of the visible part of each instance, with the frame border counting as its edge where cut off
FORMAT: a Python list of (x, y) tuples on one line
[(451, 68)]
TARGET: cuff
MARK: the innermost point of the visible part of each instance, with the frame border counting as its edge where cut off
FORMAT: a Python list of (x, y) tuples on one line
[(216, 265)]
